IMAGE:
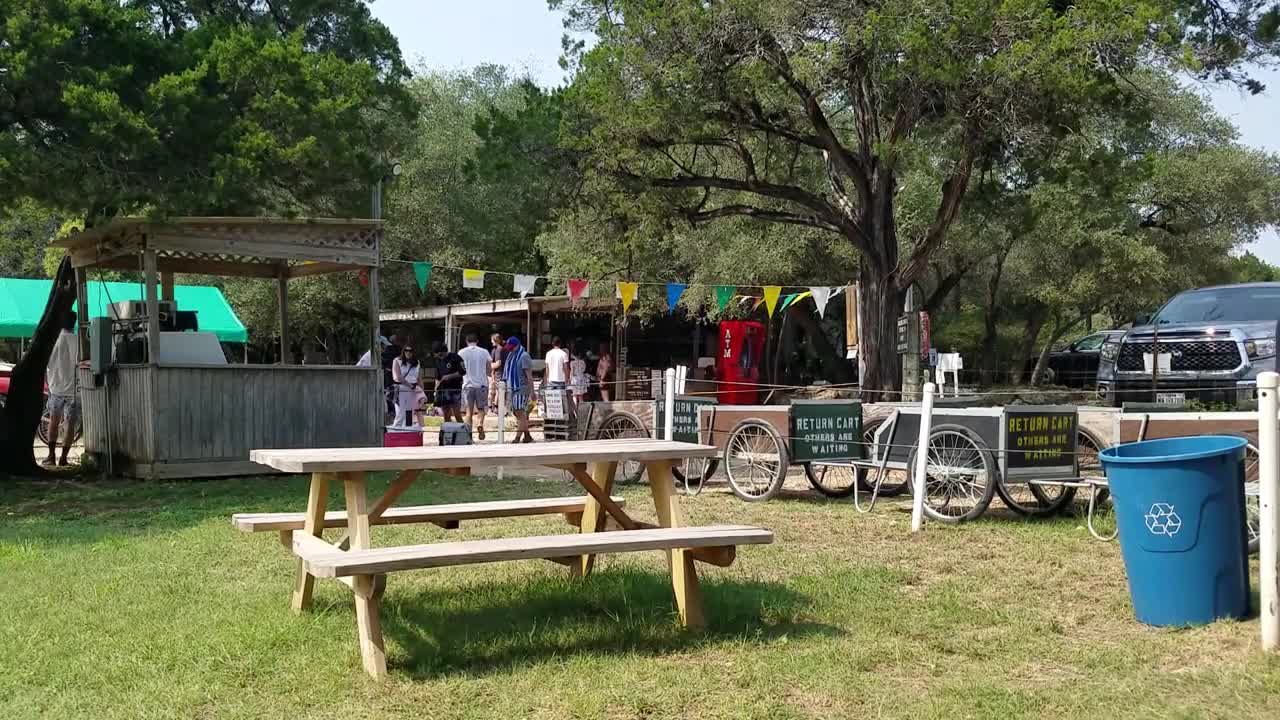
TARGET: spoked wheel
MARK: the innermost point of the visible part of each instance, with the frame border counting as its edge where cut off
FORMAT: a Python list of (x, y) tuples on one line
[(1026, 498), (755, 460), (959, 474), (894, 482), (618, 426), (834, 479), (694, 473), (43, 429)]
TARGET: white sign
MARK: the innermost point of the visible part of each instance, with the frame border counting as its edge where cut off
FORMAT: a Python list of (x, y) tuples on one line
[(553, 408)]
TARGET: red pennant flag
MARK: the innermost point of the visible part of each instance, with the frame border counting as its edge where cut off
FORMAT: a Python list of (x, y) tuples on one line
[(364, 277), (579, 289)]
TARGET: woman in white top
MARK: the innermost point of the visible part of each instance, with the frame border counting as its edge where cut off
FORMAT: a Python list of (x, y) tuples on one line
[(406, 374), (578, 375)]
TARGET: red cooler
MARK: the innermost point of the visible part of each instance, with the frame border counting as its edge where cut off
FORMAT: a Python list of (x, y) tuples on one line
[(402, 438), (738, 365)]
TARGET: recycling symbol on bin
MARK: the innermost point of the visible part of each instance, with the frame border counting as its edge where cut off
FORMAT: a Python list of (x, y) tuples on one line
[(1162, 520)]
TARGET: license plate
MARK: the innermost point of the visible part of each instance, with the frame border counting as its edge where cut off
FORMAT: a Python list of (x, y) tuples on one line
[(1171, 398)]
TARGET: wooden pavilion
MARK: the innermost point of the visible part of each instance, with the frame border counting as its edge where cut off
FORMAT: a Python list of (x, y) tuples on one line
[(157, 419)]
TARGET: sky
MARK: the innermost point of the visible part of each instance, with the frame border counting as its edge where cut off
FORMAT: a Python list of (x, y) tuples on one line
[(525, 35)]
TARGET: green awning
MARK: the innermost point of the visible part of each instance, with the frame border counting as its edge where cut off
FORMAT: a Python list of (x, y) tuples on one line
[(22, 303)]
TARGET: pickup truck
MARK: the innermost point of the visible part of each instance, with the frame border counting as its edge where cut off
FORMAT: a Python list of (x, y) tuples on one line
[(1207, 344)]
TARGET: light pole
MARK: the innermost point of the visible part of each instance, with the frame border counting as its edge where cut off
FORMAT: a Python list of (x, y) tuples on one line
[(389, 176)]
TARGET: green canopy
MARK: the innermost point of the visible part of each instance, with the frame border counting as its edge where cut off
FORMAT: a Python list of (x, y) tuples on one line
[(22, 303)]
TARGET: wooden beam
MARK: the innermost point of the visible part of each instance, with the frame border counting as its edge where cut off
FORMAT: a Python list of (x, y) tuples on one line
[(166, 283), (593, 514), (374, 326), (153, 307), (579, 473), (282, 305), (368, 625), (82, 311), (684, 575), (319, 268)]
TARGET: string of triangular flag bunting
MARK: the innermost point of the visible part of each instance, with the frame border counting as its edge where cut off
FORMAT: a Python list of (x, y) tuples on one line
[(627, 291)]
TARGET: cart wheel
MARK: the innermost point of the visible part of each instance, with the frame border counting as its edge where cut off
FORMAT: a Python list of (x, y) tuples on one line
[(959, 474), (694, 473), (617, 426), (834, 479), (755, 460), (1087, 448), (43, 429), (1252, 497), (894, 482)]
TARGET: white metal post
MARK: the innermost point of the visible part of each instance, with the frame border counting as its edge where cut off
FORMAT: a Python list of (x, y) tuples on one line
[(1268, 492), (922, 457), (502, 417), (669, 406)]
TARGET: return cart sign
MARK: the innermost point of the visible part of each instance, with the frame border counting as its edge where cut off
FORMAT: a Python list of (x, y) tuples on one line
[(826, 430), (685, 417), (1038, 437)]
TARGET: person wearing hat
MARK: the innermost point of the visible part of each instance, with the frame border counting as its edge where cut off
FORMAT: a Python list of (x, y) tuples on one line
[(366, 360), (517, 372)]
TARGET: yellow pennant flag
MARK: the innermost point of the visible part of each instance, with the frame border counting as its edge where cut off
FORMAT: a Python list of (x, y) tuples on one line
[(472, 278), (627, 292), (771, 293)]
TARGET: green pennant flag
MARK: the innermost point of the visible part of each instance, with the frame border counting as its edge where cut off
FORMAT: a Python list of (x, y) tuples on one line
[(724, 293), (788, 299), (422, 271)]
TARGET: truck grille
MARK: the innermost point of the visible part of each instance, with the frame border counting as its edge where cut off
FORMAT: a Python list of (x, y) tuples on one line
[(1187, 356)]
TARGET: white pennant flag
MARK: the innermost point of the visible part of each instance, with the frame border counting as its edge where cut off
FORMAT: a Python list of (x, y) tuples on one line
[(820, 297), (523, 284)]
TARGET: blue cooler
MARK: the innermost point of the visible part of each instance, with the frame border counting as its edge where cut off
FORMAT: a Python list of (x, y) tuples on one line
[(1180, 509)]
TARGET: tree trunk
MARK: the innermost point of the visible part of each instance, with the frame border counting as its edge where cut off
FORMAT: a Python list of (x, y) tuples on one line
[(879, 305), (1042, 362), (25, 403), (1030, 333), (991, 322)]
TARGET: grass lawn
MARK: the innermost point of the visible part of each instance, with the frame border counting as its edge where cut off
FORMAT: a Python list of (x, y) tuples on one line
[(131, 600)]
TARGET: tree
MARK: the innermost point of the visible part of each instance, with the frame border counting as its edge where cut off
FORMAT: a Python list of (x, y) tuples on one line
[(176, 107), (816, 113)]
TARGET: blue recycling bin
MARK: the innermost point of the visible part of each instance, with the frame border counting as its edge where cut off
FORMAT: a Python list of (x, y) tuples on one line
[(1180, 508)]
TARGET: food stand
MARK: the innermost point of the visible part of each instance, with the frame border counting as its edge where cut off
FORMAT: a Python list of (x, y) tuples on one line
[(157, 407)]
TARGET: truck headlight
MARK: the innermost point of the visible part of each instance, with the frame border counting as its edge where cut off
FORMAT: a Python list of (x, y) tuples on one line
[(1111, 350), (1260, 348)]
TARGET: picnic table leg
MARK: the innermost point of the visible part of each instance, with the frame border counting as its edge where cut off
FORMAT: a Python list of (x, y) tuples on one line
[(684, 576), (593, 515), (314, 524), (372, 650)]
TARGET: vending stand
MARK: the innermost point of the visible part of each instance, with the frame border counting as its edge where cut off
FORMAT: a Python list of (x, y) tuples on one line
[(157, 405)]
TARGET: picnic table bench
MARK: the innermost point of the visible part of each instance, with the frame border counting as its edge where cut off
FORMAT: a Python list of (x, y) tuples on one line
[(353, 561)]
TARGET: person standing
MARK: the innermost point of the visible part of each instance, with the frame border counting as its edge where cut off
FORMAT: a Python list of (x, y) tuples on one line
[(64, 390), (495, 371), (475, 391), (406, 374), (449, 374), (517, 373), (557, 366), (578, 374), (604, 371), (390, 352)]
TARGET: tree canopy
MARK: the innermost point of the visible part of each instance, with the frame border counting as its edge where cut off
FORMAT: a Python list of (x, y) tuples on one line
[(819, 113)]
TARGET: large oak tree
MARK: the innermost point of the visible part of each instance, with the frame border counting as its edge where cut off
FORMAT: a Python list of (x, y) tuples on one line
[(815, 112)]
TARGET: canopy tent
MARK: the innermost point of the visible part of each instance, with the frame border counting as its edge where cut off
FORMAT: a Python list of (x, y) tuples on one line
[(22, 303)]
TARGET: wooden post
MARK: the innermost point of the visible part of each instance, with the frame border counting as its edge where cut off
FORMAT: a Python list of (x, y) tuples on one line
[(684, 576), (166, 286), (312, 525), (282, 300), (153, 307), (82, 312), (375, 351), (593, 515), (368, 625)]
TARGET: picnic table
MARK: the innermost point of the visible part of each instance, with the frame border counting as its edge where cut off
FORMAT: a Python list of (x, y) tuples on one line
[(356, 563)]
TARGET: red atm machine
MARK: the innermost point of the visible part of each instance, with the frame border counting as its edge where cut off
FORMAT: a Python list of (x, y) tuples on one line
[(738, 365)]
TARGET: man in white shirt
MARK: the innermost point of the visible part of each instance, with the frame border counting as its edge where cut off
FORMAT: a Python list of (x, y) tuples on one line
[(557, 366), (64, 397), (475, 392)]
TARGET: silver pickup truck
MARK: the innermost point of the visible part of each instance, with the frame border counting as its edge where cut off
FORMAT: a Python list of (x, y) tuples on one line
[(1207, 344)]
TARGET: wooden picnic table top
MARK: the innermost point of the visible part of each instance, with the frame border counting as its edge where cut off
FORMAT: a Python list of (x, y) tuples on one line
[(474, 456)]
